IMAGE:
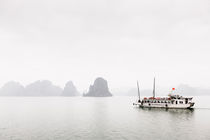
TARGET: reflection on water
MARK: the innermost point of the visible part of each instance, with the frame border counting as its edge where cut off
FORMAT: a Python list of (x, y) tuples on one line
[(111, 118), (172, 111), (173, 114)]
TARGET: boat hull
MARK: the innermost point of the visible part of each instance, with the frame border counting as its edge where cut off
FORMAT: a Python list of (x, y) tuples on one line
[(158, 105)]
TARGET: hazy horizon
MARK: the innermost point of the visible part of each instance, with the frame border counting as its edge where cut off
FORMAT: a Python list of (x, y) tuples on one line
[(122, 41), (48, 88)]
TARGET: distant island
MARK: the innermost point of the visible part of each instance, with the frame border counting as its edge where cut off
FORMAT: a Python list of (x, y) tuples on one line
[(38, 88), (12, 89), (47, 88), (70, 90), (98, 89), (42, 88)]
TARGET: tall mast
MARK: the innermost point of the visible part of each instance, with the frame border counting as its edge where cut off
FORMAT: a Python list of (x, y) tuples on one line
[(138, 91), (154, 89)]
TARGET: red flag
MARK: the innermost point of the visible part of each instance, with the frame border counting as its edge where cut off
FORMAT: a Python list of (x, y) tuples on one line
[(173, 88)]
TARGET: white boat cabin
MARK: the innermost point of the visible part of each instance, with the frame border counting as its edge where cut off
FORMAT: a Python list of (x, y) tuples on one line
[(172, 99)]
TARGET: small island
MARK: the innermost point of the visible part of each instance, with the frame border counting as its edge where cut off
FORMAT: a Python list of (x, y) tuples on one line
[(70, 90), (98, 89)]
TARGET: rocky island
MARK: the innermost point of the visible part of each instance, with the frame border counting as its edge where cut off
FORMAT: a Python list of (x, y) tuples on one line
[(12, 89), (99, 89), (70, 90), (42, 88)]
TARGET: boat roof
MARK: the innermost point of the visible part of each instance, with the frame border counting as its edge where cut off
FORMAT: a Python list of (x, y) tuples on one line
[(167, 98)]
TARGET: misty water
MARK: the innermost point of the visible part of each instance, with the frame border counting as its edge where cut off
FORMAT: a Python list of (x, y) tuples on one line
[(111, 118)]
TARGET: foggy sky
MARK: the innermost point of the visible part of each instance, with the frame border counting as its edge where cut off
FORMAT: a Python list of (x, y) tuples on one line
[(120, 40)]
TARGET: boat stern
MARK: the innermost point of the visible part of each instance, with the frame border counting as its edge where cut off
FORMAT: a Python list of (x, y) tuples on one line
[(192, 104)]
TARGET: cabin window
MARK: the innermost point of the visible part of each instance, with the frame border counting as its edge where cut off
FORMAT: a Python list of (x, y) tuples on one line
[(176, 102), (158, 101), (165, 102), (154, 101), (181, 102), (186, 101), (161, 101)]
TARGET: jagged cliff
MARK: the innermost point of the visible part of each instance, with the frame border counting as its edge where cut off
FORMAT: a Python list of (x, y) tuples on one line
[(99, 89)]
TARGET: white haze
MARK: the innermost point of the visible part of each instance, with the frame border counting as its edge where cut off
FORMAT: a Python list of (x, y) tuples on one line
[(120, 40)]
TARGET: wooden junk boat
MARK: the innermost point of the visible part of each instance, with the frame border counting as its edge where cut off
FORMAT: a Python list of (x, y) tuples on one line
[(172, 101)]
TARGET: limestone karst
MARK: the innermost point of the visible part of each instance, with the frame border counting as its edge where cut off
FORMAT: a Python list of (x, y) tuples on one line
[(70, 90), (99, 89), (12, 89), (42, 88)]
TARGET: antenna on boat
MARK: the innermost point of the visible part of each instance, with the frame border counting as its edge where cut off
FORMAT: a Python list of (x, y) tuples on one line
[(154, 88), (138, 91)]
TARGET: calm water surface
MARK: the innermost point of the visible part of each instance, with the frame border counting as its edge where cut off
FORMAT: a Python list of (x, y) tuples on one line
[(78, 118)]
